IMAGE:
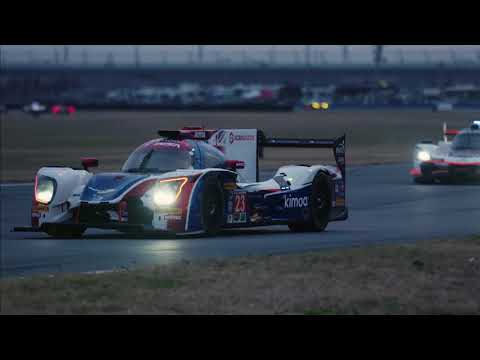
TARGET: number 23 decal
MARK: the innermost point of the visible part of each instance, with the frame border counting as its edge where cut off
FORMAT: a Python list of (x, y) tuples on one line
[(240, 203)]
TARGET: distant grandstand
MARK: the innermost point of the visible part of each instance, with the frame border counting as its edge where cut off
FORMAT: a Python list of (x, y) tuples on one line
[(24, 80), (138, 56)]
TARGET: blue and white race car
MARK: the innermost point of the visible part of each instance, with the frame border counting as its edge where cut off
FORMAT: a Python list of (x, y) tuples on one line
[(192, 181)]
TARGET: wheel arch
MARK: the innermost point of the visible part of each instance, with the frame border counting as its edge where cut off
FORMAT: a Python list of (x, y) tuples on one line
[(193, 221)]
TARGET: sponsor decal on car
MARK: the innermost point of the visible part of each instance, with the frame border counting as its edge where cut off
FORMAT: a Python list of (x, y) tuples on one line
[(161, 220), (230, 186), (339, 202), (220, 137), (256, 218), (233, 138), (240, 202), (172, 217), (237, 218), (39, 208), (113, 215), (237, 208), (169, 211), (295, 202)]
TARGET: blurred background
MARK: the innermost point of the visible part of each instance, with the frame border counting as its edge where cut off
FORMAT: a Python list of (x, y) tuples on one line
[(236, 77), (61, 102)]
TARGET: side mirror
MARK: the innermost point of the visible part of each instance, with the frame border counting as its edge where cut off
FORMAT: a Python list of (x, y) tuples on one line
[(234, 164), (89, 162)]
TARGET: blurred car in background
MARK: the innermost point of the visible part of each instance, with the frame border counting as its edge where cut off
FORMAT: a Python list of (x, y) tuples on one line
[(449, 161), (63, 109), (35, 108)]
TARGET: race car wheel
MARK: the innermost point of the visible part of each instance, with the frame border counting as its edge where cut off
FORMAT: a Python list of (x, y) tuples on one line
[(59, 231), (426, 177), (319, 207), (212, 206)]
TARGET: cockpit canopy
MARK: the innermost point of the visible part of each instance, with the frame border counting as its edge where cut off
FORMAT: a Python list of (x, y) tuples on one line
[(160, 156), (469, 140)]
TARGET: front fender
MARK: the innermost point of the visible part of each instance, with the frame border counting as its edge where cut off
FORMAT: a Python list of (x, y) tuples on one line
[(193, 221), (68, 182)]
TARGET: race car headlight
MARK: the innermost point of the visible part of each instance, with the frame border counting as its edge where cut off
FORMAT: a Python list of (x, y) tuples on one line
[(166, 192), (423, 155), (44, 189)]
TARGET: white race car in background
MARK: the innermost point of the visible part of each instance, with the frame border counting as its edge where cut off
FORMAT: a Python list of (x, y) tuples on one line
[(449, 161), (35, 108)]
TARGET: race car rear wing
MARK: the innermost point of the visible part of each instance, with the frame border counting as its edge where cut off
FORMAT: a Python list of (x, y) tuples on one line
[(247, 145), (188, 132), (337, 145)]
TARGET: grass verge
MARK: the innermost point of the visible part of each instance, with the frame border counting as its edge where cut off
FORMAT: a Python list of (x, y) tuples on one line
[(373, 137), (429, 277)]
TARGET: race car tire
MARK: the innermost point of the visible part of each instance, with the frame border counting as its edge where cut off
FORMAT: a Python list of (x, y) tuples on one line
[(59, 231), (426, 175), (212, 206), (319, 207)]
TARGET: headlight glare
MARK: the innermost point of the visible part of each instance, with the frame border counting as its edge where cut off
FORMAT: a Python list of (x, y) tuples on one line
[(423, 155), (166, 192), (163, 197), (44, 189)]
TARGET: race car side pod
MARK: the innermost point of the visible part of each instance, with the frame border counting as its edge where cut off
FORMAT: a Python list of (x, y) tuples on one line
[(338, 146)]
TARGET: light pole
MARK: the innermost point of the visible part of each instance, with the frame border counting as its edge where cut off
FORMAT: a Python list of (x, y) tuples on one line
[(378, 55), (56, 57), (308, 51), (136, 56), (66, 53), (345, 54), (272, 55), (84, 57), (200, 49)]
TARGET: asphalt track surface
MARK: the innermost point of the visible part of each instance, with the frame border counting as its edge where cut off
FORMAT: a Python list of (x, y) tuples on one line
[(385, 207)]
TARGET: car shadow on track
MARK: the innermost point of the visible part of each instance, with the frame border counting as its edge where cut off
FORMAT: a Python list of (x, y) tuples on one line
[(157, 236), (223, 235)]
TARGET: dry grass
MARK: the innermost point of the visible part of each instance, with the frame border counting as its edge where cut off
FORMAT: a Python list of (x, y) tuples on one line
[(372, 136), (431, 277)]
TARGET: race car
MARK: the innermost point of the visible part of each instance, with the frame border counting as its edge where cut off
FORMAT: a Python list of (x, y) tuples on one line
[(449, 161), (63, 109), (192, 181), (35, 108)]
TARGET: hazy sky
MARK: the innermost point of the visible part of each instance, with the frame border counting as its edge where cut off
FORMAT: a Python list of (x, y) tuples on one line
[(282, 53)]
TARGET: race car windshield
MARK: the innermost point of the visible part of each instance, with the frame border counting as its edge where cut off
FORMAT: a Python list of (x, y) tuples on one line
[(466, 141), (159, 160)]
